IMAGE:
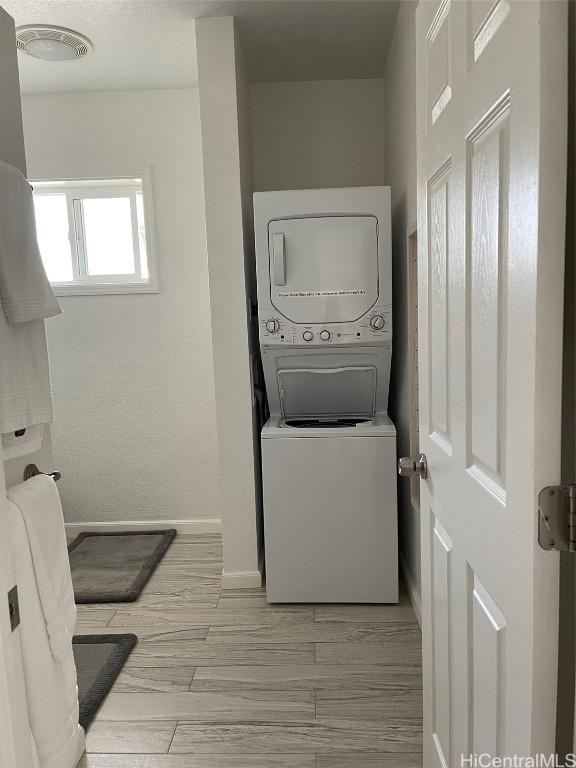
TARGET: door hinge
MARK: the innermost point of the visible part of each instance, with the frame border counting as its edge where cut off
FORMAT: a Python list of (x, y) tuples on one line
[(557, 518)]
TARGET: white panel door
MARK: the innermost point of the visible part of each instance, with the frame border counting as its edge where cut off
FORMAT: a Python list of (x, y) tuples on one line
[(491, 196)]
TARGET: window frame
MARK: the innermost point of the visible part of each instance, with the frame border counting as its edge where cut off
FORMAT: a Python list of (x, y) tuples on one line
[(86, 185)]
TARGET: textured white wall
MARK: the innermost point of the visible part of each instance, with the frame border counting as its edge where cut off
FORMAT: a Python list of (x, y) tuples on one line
[(400, 166), (326, 133), (226, 158), (134, 433)]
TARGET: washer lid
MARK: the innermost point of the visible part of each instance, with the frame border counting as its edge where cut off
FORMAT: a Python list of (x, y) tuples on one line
[(327, 392), (380, 426)]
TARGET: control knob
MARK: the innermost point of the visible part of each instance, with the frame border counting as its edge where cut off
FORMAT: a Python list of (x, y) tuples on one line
[(377, 322), (272, 326), (324, 335), (307, 335)]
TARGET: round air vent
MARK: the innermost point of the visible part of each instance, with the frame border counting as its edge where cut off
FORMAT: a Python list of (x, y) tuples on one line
[(52, 43)]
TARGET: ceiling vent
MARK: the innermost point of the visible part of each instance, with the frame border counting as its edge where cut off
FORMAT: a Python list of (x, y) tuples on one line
[(43, 41)]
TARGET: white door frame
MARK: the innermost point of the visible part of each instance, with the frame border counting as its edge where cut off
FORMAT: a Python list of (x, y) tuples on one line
[(566, 727), (412, 304), (16, 747), (16, 744)]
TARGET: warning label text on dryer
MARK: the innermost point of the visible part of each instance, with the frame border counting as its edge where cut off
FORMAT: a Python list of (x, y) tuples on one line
[(321, 294)]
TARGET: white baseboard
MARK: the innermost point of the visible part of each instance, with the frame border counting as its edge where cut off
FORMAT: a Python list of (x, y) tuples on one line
[(413, 593), (209, 525), (241, 579)]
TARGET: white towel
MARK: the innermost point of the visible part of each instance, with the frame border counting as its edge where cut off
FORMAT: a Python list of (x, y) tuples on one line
[(42, 572), (25, 393), (38, 502), (25, 291), (15, 444)]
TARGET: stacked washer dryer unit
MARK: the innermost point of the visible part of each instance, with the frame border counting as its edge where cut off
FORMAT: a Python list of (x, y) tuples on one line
[(329, 447)]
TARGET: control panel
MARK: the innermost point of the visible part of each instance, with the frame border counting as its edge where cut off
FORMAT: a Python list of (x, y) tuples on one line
[(374, 327)]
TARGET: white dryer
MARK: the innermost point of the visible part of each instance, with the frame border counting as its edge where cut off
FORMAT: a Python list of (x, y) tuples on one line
[(324, 267), (329, 447)]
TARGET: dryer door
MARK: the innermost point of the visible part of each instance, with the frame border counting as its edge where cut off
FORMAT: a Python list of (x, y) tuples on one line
[(323, 269)]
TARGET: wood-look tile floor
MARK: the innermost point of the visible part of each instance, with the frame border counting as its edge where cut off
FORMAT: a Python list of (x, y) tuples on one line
[(221, 679)]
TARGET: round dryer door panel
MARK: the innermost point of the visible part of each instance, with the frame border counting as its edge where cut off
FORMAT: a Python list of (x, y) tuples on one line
[(323, 269)]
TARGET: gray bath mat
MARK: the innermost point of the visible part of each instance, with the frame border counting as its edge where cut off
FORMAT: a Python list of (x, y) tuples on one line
[(99, 660), (114, 567)]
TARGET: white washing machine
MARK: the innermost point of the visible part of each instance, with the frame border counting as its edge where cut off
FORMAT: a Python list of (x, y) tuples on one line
[(329, 447), (330, 520)]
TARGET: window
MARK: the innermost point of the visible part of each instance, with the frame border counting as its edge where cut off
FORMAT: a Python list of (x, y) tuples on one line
[(94, 236)]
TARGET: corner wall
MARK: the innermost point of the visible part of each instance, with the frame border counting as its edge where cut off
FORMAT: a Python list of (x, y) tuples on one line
[(400, 167), (226, 150)]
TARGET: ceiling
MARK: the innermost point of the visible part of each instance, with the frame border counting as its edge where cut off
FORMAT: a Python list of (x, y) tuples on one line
[(319, 40), (141, 44)]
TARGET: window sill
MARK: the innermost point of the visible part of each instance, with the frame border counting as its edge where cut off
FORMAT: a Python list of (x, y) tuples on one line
[(102, 289)]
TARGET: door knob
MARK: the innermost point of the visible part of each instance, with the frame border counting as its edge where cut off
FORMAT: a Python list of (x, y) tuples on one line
[(407, 466)]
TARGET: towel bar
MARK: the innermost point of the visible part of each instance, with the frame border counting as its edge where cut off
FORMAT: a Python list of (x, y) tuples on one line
[(32, 470)]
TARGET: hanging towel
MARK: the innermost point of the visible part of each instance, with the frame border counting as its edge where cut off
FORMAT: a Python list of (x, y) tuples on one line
[(38, 502), (25, 392), (25, 292), (40, 566), (22, 442)]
